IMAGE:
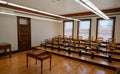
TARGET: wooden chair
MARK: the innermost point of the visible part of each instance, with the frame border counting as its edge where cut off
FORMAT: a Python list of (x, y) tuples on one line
[(76, 40), (80, 37), (70, 37), (118, 45), (111, 44), (87, 42), (65, 36), (99, 40), (112, 40), (71, 44), (60, 41), (92, 43), (98, 45), (59, 36)]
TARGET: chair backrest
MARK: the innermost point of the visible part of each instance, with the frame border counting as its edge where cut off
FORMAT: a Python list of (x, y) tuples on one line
[(59, 36), (70, 37), (90, 39), (112, 41), (65, 36), (46, 40), (80, 37), (99, 40)]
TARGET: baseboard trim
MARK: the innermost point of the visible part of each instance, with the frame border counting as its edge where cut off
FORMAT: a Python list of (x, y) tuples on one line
[(13, 52)]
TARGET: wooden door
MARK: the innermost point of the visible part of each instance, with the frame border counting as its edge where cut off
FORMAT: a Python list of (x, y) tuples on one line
[(24, 33)]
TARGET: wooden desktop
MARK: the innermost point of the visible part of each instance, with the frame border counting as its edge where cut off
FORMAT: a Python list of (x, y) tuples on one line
[(5, 46)]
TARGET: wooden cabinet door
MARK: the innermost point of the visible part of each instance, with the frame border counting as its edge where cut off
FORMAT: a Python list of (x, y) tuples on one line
[(24, 33)]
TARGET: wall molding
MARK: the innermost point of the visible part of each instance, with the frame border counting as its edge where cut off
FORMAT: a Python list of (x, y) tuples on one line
[(113, 10)]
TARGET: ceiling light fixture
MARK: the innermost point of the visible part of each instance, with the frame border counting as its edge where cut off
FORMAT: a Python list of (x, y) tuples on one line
[(7, 13), (25, 15), (90, 6), (20, 6)]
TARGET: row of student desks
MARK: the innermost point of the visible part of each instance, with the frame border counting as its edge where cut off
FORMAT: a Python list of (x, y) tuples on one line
[(111, 61), (106, 60)]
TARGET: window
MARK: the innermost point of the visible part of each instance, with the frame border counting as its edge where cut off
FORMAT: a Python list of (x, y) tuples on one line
[(68, 28), (105, 28), (84, 28)]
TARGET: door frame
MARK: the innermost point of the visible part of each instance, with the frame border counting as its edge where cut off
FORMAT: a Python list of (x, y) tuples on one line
[(29, 23)]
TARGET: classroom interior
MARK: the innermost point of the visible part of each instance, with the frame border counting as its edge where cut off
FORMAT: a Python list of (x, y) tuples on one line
[(59, 36)]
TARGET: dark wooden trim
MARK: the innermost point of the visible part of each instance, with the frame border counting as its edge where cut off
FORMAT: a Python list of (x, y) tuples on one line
[(18, 31), (79, 24), (67, 15), (4, 54), (13, 52), (113, 10), (113, 32), (77, 29), (114, 21), (90, 28), (25, 10), (72, 27), (96, 28)]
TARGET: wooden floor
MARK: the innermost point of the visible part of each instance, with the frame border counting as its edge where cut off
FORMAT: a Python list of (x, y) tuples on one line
[(60, 65)]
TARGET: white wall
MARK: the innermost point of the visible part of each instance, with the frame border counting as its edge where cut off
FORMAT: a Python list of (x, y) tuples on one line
[(40, 30), (93, 27), (8, 30)]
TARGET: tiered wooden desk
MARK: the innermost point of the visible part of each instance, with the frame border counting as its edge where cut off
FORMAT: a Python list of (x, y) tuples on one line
[(5, 46), (106, 59), (103, 62)]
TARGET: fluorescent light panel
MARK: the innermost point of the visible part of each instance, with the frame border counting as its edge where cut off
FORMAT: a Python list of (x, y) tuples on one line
[(7, 13), (25, 15), (90, 6), (16, 5), (3, 2)]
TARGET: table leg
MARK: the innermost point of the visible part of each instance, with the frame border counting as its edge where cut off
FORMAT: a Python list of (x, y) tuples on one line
[(41, 66), (5, 51), (10, 52), (50, 62), (36, 61), (27, 60)]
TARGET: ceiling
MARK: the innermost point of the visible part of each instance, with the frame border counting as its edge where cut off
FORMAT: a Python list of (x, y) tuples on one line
[(65, 6)]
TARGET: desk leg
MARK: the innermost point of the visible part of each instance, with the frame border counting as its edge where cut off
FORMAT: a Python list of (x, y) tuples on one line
[(36, 61), (27, 60), (50, 62), (10, 52), (5, 51), (41, 66)]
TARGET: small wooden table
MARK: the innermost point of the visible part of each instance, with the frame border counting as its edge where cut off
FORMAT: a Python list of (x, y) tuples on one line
[(39, 55), (5, 46)]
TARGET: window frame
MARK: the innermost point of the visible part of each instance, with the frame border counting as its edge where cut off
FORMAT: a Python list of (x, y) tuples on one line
[(72, 27), (79, 25), (113, 29)]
